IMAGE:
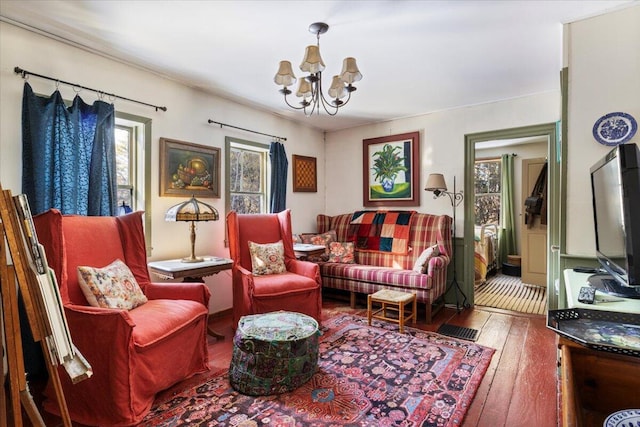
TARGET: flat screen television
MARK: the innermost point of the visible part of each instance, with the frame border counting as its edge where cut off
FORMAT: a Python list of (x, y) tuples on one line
[(615, 189)]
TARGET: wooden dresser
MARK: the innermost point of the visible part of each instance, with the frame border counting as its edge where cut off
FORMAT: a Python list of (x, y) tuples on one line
[(595, 383)]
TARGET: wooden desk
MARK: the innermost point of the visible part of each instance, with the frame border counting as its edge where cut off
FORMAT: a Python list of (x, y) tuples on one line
[(305, 250), (595, 383), (191, 272)]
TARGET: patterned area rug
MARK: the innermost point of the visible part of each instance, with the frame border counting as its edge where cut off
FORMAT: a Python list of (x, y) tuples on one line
[(367, 376), (509, 293)]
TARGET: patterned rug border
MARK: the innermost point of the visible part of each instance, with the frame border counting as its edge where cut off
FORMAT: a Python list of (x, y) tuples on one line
[(340, 321)]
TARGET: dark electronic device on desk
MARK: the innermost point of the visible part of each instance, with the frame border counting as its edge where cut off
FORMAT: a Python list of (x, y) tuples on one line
[(615, 186)]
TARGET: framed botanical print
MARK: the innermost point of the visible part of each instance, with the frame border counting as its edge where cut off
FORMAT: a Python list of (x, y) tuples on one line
[(188, 169), (390, 170), (304, 174)]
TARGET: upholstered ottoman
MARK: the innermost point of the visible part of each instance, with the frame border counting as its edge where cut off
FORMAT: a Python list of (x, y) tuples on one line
[(273, 353)]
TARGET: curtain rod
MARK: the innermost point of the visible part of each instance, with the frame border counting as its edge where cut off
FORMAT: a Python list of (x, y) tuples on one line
[(26, 73), (282, 138)]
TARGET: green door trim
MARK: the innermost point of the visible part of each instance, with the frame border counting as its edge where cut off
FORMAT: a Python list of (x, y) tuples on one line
[(551, 132)]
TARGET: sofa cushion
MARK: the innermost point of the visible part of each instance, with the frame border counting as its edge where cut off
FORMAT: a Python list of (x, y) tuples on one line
[(267, 258), (378, 275), (322, 239), (161, 318), (112, 286), (341, 252), (422, 262)]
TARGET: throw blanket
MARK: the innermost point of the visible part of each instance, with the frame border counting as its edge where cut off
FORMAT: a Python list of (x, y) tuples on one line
[(381, 231)]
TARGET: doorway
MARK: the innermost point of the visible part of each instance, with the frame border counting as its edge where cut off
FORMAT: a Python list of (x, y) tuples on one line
[(545, 133)]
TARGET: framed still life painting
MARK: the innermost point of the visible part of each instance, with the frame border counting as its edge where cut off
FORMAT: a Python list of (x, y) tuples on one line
[(390, 170), (188, 169)]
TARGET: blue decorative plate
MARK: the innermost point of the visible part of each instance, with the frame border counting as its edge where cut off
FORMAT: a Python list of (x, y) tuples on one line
[(624, 418), (614, 128)]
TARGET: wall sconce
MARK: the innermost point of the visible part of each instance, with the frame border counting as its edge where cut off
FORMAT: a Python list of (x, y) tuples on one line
[(437, 184), (192, 210)]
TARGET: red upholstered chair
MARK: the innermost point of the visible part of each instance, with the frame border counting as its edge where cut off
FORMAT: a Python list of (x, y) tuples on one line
[(134, 353), (298, 289)]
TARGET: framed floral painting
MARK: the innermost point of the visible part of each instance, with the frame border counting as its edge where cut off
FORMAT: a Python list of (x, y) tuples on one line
[(390, 170), (188, 169)]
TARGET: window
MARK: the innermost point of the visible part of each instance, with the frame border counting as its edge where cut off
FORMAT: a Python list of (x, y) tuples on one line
[(487, 191), (125, 164), (133, 151), (247, 171)]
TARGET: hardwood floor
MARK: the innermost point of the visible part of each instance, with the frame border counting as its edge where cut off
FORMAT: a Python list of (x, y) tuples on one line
[(521, 384)]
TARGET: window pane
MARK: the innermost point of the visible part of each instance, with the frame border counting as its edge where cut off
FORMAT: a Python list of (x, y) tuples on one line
[(246, 171), (487, 192), (124, 195), (123, 136), (247, 203), (487, 209)]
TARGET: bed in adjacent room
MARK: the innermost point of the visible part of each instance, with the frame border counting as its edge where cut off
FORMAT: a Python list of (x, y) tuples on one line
[(486, 251)]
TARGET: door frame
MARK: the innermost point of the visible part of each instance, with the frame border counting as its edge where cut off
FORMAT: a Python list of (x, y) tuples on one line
[(554, 153)]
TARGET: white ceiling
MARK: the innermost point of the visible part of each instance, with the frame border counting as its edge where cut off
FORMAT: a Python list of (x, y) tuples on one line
[(416, 56)]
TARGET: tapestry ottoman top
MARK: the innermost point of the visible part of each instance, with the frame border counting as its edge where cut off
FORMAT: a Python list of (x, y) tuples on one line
[(273, 353)]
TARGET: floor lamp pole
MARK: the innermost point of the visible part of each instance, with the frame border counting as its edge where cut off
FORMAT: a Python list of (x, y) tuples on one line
[(456, 199)]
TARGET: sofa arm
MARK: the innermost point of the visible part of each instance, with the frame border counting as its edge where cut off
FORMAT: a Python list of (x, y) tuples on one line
[(195, 291), (437, 263)]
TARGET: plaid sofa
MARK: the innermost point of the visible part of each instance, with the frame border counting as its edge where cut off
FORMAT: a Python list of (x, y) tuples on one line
[(374, 271)]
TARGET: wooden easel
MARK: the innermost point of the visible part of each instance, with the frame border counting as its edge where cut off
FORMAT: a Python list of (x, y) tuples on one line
[(20, 396)]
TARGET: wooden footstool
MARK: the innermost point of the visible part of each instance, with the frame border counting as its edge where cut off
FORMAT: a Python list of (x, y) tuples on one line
[(395, 302)]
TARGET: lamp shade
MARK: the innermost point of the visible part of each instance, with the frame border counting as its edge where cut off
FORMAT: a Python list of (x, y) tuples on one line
[(192, 210), (337, 89), (312, 62), (285, 76), (304, 89), (435, 182), (350, 72)]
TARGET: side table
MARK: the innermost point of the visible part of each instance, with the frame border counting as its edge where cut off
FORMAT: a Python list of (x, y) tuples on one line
[(191, 272), (305, 250)]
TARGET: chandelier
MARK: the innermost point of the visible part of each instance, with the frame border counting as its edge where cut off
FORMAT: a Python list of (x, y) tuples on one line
[(310, 87)]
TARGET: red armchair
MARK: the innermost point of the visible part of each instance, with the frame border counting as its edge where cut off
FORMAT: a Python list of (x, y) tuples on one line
[(136, 353), (298, 289)]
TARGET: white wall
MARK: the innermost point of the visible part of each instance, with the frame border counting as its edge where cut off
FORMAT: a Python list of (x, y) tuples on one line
[(185, 119), (603, 56), (441, 150)]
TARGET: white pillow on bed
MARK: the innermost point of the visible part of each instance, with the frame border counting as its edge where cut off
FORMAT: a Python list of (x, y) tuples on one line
[(422, 263)]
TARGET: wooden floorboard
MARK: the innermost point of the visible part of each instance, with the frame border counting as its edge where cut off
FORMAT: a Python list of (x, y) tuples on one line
[(518, 390)]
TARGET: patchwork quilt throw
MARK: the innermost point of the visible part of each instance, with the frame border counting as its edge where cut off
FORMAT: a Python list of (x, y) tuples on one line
[(367, 376), (381, 231)]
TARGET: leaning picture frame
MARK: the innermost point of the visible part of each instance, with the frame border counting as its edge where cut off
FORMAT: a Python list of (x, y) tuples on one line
[(188, 169), (390, 170)]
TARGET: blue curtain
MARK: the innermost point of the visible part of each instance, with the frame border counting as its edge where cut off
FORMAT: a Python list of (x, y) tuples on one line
[(68, 155), (279, 165)]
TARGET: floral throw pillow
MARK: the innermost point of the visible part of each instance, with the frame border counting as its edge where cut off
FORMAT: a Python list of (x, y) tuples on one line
[(112, 286), (341, 252), (422, 262), (267, 258), (323, 239)]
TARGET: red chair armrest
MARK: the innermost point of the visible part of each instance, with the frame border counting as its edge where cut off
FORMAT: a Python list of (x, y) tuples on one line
[(90, 325), (186, 291), (303, 268)]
